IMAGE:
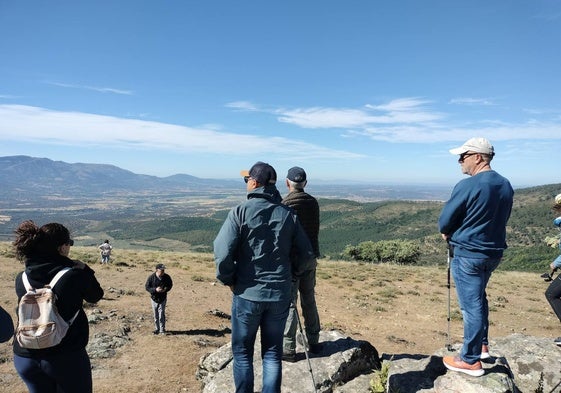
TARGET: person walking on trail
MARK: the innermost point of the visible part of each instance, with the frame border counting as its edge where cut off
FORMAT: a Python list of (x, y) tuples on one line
[(473, 221), (64, 367), (105, 251), (553, 292), (306, 208), (252, 253), (158, 284)]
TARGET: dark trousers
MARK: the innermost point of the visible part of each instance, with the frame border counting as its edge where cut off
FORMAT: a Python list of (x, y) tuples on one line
[(553, 296), (65, 372)]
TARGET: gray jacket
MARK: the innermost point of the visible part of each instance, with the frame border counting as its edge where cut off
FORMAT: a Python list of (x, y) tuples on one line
[(253, 249)]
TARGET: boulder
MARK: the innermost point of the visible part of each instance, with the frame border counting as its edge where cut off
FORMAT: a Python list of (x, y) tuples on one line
[(341, 359), (519, 364)]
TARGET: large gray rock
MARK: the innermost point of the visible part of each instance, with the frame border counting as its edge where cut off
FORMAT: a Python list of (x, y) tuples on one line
[(342, 359), (519, 364)]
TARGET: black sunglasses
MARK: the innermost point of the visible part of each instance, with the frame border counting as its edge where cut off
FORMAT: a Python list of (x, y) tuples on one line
[(246, 178), (463, 156), (70, 242)]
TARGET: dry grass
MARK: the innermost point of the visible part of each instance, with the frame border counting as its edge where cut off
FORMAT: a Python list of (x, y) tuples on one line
[(399, 309)]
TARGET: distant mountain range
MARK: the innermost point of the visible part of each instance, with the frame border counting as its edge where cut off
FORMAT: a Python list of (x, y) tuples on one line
[(25, 178)]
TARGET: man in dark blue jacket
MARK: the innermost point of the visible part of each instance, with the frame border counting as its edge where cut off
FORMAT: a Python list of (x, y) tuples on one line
[(474, 222), (252, 253)]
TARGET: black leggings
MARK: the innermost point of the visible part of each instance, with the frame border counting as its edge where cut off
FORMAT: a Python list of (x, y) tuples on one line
[(553, 296), (64, 372)]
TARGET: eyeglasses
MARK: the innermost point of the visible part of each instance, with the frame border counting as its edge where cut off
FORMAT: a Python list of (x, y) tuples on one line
[(246, 178), (463, 156), (70, 242)]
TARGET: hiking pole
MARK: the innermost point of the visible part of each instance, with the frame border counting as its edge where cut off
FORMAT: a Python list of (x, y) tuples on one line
[(305, 342), (449, 252)]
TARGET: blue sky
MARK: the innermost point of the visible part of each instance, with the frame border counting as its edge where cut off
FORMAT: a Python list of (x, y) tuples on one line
[(374, 91)]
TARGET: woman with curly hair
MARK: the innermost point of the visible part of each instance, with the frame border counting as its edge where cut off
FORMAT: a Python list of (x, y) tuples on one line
[(64, 367)]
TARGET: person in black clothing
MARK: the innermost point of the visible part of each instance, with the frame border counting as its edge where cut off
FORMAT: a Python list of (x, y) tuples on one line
[(159, 284), (6, 326), (306, 208), (66, 366)]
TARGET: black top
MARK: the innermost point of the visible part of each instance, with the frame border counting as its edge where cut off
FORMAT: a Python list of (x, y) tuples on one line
[(306, 208), (75, 287), (154, 282)]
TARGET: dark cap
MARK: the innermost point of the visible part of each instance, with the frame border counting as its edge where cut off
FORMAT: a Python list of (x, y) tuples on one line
[(262, 172), (160, 266), (296, 174)]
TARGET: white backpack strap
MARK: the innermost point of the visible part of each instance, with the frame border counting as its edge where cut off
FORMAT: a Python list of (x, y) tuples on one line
[(53, 283), (57, 277), (26, 283)]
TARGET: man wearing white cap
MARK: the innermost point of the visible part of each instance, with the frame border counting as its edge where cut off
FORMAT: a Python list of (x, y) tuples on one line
[(473, 221)]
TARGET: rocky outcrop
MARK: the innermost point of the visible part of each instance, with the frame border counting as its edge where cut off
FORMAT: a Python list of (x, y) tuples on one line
[(519, 364), (342, 359)]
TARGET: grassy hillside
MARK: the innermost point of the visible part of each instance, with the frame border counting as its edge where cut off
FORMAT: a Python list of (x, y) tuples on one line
[(345, 222)]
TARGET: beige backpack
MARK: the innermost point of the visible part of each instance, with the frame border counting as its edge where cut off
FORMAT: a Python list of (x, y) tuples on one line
[(40, 325)]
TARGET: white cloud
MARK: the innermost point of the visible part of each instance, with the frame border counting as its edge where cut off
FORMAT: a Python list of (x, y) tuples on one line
[(405, 110), (242, 105), (94, 88), (472, 101), (36, 124)]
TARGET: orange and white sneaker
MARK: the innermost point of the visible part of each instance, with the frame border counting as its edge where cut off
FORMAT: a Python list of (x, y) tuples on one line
[(454, 363), (484, 352)]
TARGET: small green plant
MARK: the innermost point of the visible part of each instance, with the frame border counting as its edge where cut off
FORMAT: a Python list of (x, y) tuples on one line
[(379, 382)]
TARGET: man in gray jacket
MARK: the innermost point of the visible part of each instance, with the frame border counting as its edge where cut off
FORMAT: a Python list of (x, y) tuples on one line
[(306, 208), (252, 253)]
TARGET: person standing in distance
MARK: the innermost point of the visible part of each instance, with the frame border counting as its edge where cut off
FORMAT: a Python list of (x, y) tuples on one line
[(473, 222), (105, 251), (306, 208), (252, 252), (158, 284)]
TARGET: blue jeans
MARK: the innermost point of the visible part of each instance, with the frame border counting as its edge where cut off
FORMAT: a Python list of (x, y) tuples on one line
[(247, 317), (64, 372), (471, 276)]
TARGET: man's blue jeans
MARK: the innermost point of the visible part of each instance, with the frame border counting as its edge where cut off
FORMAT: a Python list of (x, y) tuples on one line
[(471, 276), (247, 317)]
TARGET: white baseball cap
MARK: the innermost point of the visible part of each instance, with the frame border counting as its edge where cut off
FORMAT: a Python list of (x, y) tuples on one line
[(476, 145)]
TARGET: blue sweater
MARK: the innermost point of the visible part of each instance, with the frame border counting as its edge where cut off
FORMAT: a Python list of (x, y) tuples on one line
[(475, 217)]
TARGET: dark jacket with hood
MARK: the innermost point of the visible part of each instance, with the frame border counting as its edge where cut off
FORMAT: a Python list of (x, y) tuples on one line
[(75, 287), (253, 249)]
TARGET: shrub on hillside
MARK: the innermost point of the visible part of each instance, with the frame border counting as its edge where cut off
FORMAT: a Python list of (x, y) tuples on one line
[(397, 251)]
